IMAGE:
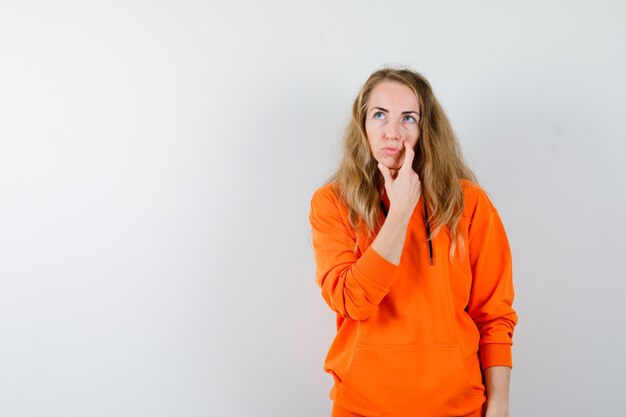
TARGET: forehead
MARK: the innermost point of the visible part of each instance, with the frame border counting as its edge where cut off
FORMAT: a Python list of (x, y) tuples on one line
[(393, 95)]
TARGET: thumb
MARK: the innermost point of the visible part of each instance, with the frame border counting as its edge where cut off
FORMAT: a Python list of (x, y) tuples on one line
[(386, 174)]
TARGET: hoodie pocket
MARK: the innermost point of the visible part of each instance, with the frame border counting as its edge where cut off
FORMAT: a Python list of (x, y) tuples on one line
[(408, 378)]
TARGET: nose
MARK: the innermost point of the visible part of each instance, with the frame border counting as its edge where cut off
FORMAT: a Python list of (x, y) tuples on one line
[(391, 131)]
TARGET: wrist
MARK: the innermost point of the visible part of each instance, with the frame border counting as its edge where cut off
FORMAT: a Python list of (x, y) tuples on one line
[(497, 400), (500, 400), (497, 408), (398, 216)]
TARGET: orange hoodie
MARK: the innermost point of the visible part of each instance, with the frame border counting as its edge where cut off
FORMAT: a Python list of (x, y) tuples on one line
[(412, 338)]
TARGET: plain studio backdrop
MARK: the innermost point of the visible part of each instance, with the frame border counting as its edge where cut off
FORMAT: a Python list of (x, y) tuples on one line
[(157, 161)]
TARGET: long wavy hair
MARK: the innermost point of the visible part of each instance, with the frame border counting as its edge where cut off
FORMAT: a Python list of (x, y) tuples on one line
[(438, 162)]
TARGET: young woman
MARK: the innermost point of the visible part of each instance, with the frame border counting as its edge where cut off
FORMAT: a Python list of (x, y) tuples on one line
[(412, 256)]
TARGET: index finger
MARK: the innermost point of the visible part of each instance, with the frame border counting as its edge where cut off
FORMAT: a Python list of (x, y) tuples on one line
[(409, 153)]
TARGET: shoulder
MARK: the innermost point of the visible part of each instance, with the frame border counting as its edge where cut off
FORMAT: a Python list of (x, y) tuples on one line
[(326, 191), (328, 212), (325, 198), (477, 205), (324, 195)]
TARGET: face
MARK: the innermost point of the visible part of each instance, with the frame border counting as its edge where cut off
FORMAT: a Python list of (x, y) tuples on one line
[(392, 117)]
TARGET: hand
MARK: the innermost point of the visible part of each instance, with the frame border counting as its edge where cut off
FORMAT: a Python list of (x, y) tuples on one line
[(404, 191)]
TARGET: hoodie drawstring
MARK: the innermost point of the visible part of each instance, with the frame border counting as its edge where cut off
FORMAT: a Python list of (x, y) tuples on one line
[(430, 243)]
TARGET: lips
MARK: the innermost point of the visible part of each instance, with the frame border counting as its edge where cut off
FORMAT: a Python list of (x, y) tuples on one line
[(391, 151)]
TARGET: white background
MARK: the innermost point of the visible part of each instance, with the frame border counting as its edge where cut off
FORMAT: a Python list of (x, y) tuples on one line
[(157, 161)]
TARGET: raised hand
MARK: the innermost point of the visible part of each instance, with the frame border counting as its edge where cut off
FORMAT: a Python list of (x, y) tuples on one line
[(405, 189)]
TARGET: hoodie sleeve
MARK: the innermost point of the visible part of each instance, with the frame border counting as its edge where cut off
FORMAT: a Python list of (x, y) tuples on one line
[(491, 298), (352, 286)]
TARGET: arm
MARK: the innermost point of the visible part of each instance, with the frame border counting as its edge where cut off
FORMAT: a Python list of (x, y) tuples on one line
[(491, 296), (404, 192), (491, 299), (354, 286), (497, 381)]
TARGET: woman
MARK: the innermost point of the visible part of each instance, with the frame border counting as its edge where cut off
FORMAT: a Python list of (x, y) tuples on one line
[(412, 256)]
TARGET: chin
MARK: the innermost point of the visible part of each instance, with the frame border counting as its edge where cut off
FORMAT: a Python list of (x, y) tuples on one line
[(395, 166), (390, 162)]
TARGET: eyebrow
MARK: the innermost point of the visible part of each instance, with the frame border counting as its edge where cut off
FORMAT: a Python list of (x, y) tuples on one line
[(387, 111)]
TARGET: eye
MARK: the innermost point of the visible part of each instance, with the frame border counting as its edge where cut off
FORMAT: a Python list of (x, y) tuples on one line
[(409, 119), (379, 115)]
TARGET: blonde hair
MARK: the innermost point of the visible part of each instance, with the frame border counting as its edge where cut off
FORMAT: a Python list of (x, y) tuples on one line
[(438, 161)]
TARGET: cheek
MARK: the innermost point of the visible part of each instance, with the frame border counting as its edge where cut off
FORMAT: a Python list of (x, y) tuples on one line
[(372, 145), (415, 136), (369, 133)]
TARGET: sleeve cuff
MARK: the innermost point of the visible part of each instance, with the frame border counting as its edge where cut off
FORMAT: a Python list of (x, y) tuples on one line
[(380, 272), (496, 354)]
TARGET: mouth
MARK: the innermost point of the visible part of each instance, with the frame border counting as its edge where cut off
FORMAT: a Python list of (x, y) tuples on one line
[(391, 151)]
